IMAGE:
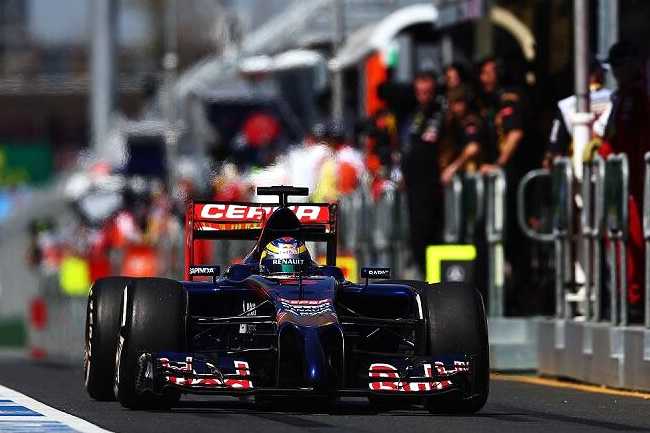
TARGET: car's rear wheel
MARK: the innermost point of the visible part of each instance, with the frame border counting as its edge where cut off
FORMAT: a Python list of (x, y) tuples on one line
[(153, 319), (458, 326), (102, 331)]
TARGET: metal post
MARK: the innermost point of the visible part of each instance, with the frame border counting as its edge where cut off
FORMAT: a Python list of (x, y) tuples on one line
[(617, 229), (613, 308), (607, 30), (102, 67), (598, 169), (494, 228), (625, 217), (170, 63), (337, 42), (484, 34), (559, 276), (646, 236), (587, 229), (582, 116), (562, 228), (472, 209), (447, 50), (453, 212)]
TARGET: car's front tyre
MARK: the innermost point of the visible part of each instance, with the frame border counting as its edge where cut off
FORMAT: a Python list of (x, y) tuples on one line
[(458, 326), (153, 319), (102, 331)]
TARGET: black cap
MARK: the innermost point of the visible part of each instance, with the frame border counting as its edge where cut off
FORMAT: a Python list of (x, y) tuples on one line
[(621, 52)]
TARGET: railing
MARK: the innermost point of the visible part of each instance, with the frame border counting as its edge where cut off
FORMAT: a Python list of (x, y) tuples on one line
[(610, 346), (495, 222), (475, 208), (617, 217), (604, 219), (562, 187), (453, 193), (592, 221)]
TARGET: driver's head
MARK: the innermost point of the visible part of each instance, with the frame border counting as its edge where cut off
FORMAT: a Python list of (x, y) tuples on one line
[(285, 257)]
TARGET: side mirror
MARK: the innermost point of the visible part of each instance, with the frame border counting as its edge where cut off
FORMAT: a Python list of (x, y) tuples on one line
[(376, 273)]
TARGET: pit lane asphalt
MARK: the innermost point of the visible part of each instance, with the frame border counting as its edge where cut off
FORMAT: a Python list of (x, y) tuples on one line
[(513, 407)]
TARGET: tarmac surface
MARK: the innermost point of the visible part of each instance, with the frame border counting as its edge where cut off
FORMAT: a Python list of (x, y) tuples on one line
[(515, 405)]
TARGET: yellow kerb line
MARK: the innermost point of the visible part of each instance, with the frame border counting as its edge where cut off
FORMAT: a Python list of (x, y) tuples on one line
[(577, 386)]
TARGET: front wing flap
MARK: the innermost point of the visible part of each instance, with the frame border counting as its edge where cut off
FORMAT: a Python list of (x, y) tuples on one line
[(199, 373)]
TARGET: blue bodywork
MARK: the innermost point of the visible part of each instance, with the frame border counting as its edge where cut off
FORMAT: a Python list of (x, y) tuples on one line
[(310, 335), (313, 334)]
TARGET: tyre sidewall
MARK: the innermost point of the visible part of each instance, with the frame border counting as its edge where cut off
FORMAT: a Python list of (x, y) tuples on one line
[(457, 326), (154, 311), (101, 336)]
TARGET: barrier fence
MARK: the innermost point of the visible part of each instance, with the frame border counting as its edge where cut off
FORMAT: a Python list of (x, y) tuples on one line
[(604, 215), (592, 220), (593, 338), (475, 210)]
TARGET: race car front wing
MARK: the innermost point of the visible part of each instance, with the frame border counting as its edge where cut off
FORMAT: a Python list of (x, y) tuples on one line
[(200, 373)]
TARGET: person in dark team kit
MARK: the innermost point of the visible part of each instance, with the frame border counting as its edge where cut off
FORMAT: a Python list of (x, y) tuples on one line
[(469, 134), (508, 147), (419, 160)]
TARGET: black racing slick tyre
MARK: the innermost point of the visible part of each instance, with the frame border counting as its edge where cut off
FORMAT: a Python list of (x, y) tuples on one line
[(102, 332), (153, 319), (458, 326)]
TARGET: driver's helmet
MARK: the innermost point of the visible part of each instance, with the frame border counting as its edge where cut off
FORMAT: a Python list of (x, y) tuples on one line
[(285, 257)]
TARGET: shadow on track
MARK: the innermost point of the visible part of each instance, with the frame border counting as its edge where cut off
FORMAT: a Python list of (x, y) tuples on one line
[(293, 406)]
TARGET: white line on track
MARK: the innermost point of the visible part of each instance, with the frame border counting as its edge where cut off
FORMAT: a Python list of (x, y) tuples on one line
[(45, 418)]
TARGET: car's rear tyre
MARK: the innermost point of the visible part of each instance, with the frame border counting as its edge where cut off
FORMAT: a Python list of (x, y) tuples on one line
[(458, 326), (153, 319), (102, 332)]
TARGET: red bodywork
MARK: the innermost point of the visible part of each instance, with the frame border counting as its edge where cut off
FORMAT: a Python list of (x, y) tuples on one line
[(226, 220)]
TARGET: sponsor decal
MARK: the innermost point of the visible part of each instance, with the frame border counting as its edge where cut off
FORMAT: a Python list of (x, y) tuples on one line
[(375, 272), (379, 371), (455, 273), (304, 307), (215, 379), (241, 212), (288, 261), (204, 271), (287, 249)]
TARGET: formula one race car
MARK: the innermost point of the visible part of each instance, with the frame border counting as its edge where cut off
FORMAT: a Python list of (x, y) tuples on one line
[(278, 324)]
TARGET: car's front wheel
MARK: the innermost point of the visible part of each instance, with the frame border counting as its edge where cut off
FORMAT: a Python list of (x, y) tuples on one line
[(458, 326), (153, 319), (102, 332)]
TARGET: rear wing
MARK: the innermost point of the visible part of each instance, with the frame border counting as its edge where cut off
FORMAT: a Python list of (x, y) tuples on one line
[(212, 220)]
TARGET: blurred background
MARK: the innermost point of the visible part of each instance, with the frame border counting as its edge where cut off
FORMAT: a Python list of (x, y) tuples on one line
[(115, 113)]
